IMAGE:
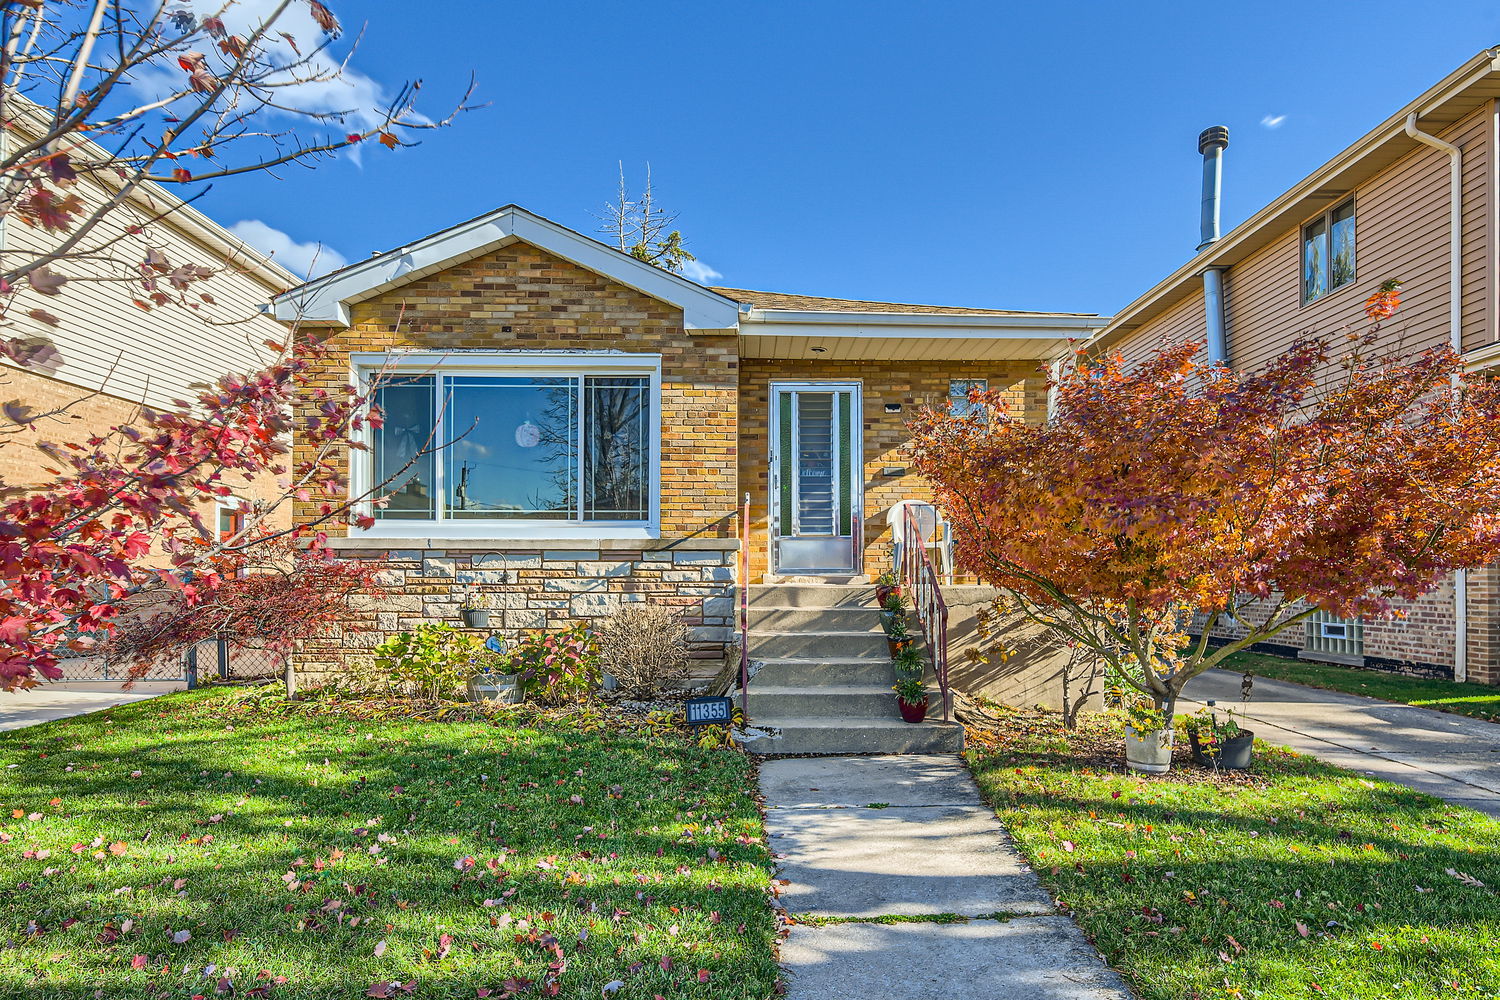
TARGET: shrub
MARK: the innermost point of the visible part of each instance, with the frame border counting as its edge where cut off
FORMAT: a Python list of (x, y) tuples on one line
[(645, 647), (433, 661), (556, 667)]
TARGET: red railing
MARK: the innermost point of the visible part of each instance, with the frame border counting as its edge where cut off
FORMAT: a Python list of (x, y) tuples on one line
[(919, 581), (744, 588)]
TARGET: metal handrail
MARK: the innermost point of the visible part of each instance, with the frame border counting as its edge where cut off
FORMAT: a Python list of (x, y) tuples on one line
[(920, 579), (744, 588)]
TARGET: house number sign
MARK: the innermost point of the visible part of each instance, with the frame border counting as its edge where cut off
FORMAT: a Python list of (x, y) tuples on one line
[(707, 711)]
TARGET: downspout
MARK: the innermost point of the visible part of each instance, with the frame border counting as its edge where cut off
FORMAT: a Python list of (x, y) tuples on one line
[(1211, 143), (1456, 340)]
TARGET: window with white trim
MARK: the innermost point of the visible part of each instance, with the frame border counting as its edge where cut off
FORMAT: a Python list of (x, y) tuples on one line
[(1328, 252), (546, 440)]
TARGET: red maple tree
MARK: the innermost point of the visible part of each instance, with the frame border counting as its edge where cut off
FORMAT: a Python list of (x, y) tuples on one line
[(1173, 495)]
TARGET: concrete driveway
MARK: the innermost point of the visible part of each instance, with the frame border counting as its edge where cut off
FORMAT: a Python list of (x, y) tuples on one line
[(61, 701), (1451, 756)]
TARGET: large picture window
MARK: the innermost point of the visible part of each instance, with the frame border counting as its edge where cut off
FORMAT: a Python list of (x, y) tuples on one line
[(515, 445)]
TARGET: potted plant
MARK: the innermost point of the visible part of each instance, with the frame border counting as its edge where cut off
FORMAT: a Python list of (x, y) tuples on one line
[(1219, 744), (1148, 738), (893, 608), (911, 698), (910, 663), (476, 611), (885, 585), (498, 680), (897, 636)]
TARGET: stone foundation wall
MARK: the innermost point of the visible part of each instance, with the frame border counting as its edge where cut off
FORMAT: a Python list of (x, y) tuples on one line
[(545, 586)]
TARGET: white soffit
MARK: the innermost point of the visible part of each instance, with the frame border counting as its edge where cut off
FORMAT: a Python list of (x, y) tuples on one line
[(327, 300), (787, 334)]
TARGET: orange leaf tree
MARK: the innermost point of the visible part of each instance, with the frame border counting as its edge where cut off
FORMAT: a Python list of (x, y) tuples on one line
[(1170, 495)]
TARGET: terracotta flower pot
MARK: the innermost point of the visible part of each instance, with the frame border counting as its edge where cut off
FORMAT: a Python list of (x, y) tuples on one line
[(912, 713), (896, 645)]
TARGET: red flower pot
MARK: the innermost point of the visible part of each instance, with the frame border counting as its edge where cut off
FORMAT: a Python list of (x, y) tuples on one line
[(913, 713), (884, 590)]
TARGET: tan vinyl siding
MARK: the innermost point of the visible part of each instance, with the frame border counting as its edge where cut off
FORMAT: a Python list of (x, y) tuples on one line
[(1402, 231), (108, 343)]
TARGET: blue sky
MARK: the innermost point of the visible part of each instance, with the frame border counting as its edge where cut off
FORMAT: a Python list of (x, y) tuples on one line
[(1037, 156)]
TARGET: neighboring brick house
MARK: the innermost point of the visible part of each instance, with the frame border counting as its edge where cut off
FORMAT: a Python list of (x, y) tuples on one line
[(603, 420), (1305, 263)]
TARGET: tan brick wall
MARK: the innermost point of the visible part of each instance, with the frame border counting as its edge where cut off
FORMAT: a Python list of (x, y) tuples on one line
[(907, 383), (551, 304), (21, 464)]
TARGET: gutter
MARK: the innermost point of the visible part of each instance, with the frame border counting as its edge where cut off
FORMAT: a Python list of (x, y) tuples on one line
[(1456, 341)]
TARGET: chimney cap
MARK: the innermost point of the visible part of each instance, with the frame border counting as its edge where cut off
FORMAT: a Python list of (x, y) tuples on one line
[(1216, 137)]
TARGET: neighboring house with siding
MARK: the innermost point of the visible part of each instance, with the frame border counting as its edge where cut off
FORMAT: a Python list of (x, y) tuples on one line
[(1305, 263), (607, 417), (117, 349)]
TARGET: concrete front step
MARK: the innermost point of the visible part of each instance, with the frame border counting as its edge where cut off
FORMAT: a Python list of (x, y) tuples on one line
[(789, 618), (807, 644), (823, 672), (844, 701), (850, 736), (813, 595)]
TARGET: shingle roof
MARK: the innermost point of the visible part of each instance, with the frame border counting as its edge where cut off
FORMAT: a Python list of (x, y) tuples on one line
[(818, 303)]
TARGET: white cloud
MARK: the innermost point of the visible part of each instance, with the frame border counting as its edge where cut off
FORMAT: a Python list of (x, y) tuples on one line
[(306, 260), (698, 271), (1273, 121), (352, 97)]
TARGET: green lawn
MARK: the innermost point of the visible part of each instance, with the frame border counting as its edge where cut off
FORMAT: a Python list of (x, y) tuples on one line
[(1478, 700), (1301, 880), (160, 849)]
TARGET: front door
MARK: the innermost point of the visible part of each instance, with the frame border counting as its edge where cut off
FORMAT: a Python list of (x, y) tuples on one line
[(816, 485)]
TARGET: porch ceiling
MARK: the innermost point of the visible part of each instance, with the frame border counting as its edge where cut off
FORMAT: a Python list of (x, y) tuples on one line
[(844, 347), (853, 336)]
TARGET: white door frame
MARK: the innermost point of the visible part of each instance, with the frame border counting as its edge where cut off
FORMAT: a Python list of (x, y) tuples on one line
[(855, 389)]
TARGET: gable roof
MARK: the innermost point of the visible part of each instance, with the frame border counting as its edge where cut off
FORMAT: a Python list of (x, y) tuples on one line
[(1456, 96), (819, 303), (326, 300)]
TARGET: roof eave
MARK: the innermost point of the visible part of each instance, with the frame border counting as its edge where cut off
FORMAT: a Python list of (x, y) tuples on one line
[(326, 300), (1238, 243)]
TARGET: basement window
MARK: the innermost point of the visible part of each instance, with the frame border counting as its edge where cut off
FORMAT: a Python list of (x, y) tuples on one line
[(1328, 252), (1335, 636)]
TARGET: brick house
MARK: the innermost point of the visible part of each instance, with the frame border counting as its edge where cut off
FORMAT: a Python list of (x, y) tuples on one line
[(603, 419)]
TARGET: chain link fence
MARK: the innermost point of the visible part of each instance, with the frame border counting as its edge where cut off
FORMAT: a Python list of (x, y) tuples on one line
[(223, 659)]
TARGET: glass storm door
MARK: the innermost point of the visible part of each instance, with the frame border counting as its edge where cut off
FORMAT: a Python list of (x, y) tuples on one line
[(816, 494)]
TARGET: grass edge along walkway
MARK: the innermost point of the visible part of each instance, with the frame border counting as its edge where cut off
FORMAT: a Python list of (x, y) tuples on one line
[(198, 845), (1299, 880), (1478, 701)]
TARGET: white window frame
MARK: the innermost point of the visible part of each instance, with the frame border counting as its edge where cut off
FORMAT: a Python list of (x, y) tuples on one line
[(1326, 218), (501, 363)]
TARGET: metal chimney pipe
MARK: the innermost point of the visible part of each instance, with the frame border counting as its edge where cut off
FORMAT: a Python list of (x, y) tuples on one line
[(1211, 143)]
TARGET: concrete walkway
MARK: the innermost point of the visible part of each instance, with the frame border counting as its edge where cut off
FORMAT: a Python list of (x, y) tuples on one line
[(1451, 756), (61, 701), (863, 837)]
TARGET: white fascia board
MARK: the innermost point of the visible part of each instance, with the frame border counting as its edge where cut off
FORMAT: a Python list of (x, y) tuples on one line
[(918, 326), (327, 299)]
